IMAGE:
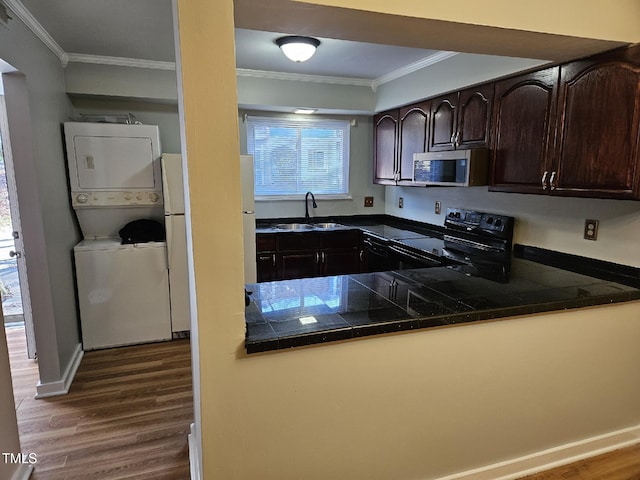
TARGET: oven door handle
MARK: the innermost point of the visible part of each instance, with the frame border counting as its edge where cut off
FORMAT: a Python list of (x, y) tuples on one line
[(471, 243), (413, 256)]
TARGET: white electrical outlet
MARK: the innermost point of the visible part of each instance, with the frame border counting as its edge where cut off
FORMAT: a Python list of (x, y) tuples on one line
[(591, 229)]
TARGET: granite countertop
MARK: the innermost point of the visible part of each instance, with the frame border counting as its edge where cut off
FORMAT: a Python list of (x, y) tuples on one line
[(292, 313), (300, 312)]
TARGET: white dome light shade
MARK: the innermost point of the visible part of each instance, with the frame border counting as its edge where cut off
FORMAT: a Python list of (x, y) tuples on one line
[(298, 49)]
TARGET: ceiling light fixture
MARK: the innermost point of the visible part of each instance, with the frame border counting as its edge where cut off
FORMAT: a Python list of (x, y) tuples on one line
[(296, 48)]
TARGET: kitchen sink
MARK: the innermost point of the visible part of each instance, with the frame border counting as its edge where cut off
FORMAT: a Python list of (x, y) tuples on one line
[(294, 226), (324, 226)]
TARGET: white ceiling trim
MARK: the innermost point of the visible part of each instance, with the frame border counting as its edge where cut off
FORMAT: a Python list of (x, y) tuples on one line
[(29, 20), (413, 67), (359, 82), (120, 61)]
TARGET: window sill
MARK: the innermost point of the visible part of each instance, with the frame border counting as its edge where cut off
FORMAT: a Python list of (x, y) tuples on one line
[(297, 198)]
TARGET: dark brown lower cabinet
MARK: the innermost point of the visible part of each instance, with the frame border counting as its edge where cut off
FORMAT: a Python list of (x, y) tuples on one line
[(289, 255), (340, 261), (300, 264), (266, 265)]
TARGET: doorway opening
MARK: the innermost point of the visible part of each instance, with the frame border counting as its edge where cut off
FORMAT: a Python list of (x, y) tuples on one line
[(9, 280)]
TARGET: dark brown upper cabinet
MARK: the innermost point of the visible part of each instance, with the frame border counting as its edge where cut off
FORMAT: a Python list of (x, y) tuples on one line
[(523, 137), (598, 144), (572, 130), (414, 135), (462, 119), (385, 147), (398, 135)]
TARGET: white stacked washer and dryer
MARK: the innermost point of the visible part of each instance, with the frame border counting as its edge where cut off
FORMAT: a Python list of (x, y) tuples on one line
[(123, 289)]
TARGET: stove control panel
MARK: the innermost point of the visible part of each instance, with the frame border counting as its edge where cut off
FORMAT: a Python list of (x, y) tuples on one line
[(473, 221)]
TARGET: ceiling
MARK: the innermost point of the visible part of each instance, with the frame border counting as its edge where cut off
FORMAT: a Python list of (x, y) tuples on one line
[(143, 30), (362, 46)]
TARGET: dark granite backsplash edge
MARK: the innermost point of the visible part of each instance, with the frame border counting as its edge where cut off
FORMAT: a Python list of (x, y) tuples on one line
[(614, 272)]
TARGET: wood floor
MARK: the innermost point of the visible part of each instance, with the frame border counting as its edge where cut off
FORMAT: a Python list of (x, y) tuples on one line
[(623, 464), (127, 415)]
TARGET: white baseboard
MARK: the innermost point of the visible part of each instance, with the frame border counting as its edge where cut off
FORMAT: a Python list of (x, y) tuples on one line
[(553, 457), (23, 472), (194, 454), (62, 386)]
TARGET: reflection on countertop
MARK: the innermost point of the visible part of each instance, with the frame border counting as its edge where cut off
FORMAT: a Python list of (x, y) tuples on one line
[(300, 312)]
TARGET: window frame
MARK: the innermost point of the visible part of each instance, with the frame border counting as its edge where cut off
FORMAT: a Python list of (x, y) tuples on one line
[(289, 121)]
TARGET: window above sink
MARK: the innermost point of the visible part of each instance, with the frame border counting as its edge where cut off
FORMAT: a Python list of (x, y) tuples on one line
[(296, 155)]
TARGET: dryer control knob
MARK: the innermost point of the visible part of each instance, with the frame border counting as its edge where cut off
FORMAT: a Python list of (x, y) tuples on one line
[(154, 197), (127, 196), (81, 198), (139, 196)]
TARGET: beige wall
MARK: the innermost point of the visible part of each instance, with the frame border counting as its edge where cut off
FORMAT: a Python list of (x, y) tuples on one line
[(579, 18), (414, 405)]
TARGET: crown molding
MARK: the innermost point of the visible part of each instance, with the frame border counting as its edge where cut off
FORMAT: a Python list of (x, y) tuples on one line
[(413, 67), (120, 61), (358, 82), (29, 20)]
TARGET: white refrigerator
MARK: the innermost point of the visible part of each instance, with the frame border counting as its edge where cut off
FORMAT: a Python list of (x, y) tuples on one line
[(248, 218), (174, 220)]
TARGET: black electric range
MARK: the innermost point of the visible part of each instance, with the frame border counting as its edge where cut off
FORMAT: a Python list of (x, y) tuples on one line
[(478, 243)]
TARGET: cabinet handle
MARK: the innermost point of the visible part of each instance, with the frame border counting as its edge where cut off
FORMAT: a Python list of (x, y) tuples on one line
[(552, 181), (273, 259), (322, 256), (457, 139), (362, 255), (317, 257), (544, 180), (453, 138)]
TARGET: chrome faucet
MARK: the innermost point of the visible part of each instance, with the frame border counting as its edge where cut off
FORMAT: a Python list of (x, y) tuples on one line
[(306, 204)]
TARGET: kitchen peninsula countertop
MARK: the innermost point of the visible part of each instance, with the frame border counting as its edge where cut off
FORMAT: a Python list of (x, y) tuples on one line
[(291, 313)]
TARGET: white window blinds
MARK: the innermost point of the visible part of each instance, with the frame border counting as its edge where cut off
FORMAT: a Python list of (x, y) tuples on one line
[(294, 156)]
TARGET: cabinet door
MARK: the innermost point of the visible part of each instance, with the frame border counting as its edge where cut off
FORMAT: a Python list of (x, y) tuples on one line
[(598, 145), (524, 122), (414, 134), (443, 122), (385, 147), (340, 261), (266, 267), (474, 117), (300, 264)]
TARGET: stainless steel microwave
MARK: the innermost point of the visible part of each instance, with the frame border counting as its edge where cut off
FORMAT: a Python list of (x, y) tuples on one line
[(456, 168)]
